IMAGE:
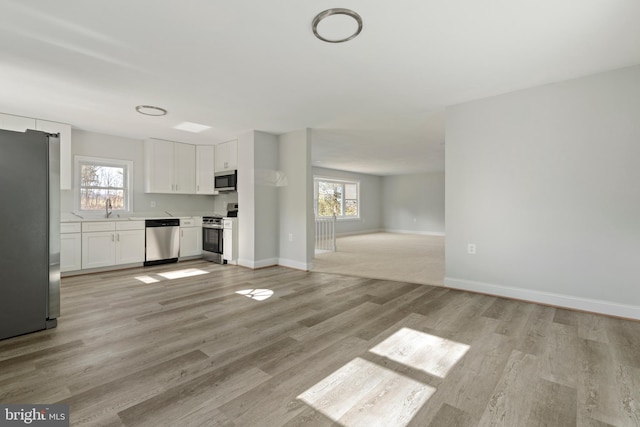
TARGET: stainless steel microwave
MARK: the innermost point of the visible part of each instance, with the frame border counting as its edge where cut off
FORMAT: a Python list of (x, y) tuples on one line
[(226, 181)]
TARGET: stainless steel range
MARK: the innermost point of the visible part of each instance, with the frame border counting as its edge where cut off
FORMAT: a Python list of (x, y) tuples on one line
[(213, 236), (212, 231)]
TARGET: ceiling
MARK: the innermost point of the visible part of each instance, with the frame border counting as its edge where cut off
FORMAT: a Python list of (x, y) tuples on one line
[(375, 104)]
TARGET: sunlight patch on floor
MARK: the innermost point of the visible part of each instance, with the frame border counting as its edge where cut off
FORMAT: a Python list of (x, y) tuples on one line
[(147, 279), (180, 274), (422, 351), (256, 294), (362, 393)]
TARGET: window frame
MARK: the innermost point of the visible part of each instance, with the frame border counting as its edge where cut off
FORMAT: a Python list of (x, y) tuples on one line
[(127, 181), (342, 181)]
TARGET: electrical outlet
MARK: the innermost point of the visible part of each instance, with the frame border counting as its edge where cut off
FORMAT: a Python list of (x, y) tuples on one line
[(153, 204), (471, 248), (291, 237)]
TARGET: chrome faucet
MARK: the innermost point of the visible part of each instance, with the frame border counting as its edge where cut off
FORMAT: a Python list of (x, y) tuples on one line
[(108, 207)]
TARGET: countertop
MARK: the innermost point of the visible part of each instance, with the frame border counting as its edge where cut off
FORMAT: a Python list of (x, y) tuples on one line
[(134, 217)]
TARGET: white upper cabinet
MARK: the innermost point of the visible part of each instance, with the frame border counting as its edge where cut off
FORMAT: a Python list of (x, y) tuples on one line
[(65, 149), (226, 156), (169, 167), (21, 124), (185, 168), (158, 162), (205, 161), (16, 123)]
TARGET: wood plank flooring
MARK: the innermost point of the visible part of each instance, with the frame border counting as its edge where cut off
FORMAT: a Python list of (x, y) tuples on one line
[(175, 345)]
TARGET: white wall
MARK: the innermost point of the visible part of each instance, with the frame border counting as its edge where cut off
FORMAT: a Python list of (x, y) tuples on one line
[(414, 203), (221, 200), (92, 144), (546, 183), (370, 201), (266, 198), (246, 200), (296, 227), (258, 156)]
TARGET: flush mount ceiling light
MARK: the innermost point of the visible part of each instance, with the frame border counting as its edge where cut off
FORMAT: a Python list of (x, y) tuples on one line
[(191, 127), (150, 110), (337, 25)]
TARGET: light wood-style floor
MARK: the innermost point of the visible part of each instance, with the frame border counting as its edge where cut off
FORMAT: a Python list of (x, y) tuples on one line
[(178, 346)]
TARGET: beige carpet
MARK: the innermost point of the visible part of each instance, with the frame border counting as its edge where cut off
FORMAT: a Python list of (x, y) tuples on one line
[(403, 257)]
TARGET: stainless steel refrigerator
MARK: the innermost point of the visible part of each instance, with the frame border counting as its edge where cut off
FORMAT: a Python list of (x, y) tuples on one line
[(30, 232)]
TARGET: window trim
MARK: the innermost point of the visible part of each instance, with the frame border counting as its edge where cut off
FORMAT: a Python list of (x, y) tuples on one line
[(127, 181), (343, 181)]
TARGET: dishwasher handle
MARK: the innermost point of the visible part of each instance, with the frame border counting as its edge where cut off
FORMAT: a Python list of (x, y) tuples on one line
[(169, 222)]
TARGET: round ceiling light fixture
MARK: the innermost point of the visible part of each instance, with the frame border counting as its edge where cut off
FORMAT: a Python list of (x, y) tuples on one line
[(150, 110), (343, 25)]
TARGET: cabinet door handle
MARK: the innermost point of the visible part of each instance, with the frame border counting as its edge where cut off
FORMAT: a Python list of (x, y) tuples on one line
[(118, 237), (181, 233), (113, 238)]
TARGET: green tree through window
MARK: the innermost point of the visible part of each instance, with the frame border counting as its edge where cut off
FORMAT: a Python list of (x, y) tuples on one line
[(102, 180), (339, 198)]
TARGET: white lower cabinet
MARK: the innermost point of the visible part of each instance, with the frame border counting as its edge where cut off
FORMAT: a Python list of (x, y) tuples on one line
[(129, 246), (115, 243), (190, 237), (230, 240), (98, 249), (70, 247)]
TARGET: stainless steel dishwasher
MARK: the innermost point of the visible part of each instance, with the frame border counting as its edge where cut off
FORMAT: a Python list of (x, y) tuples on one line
[(162, 241)]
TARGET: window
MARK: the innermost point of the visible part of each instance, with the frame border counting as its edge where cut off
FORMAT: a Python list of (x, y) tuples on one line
[(337, 197), (100, 181)]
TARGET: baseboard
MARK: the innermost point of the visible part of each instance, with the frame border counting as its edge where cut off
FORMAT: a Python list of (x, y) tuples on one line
[(246, 263), (261, 263), (189, 258), (119, 267), (547, 298), (304, 266), (423, 233), (101, 269)]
